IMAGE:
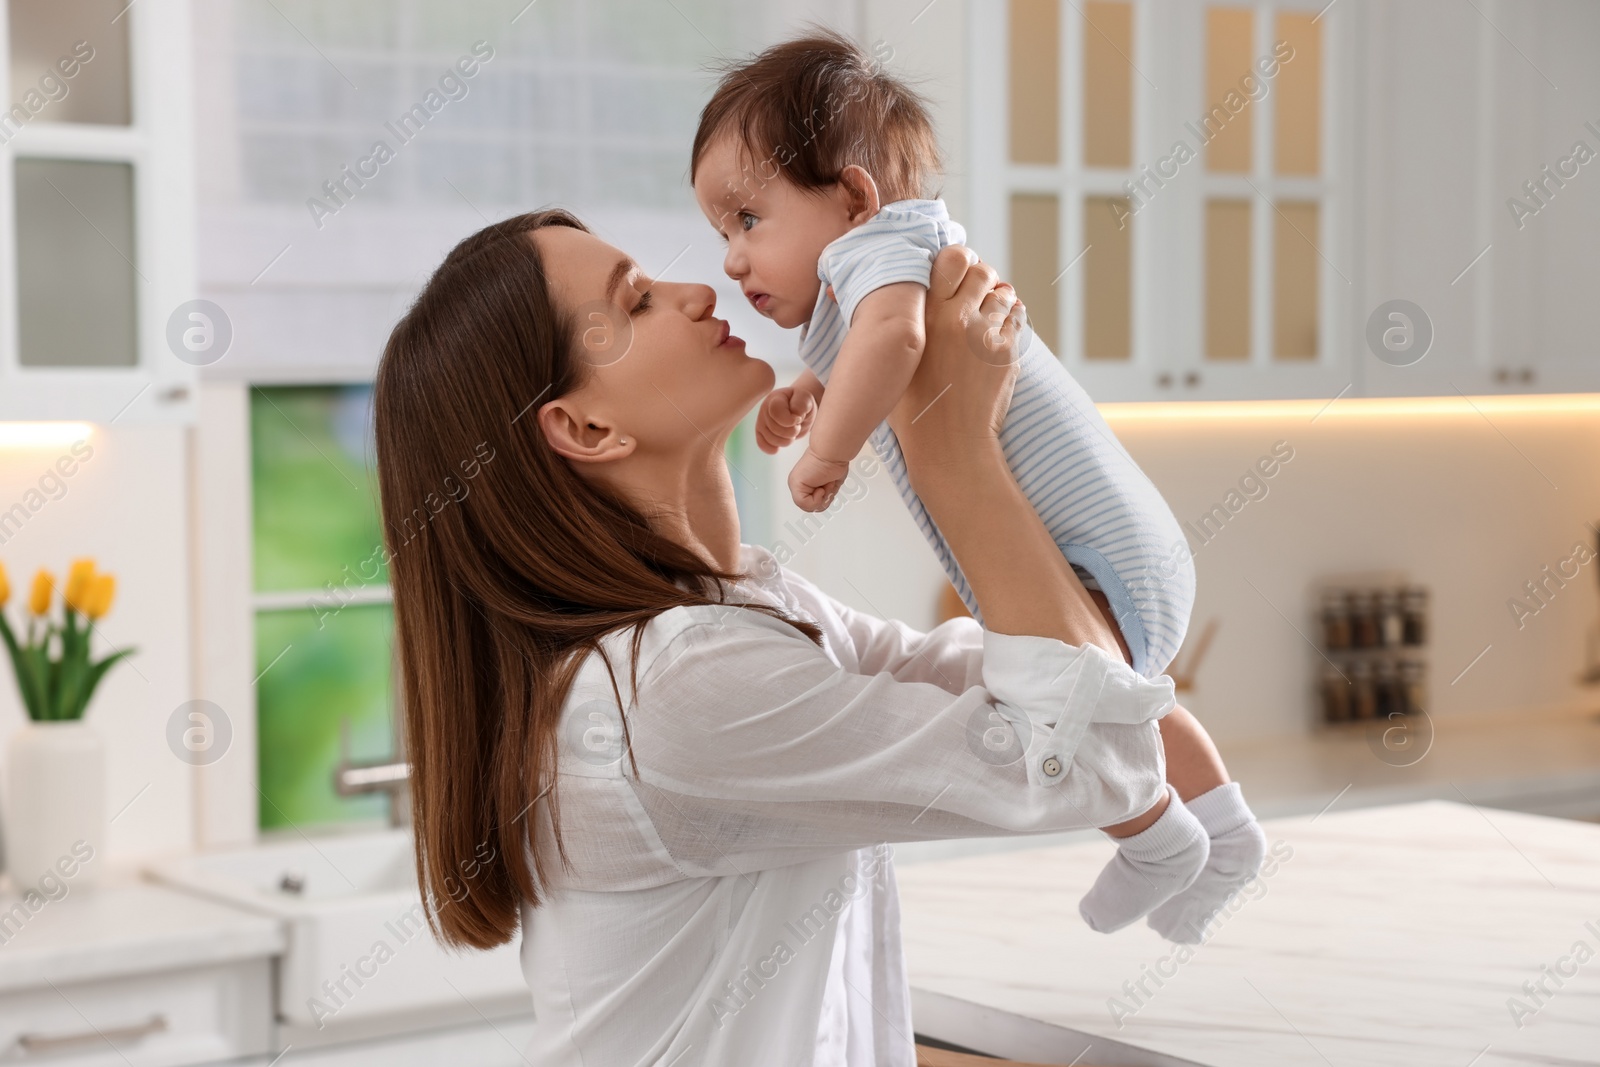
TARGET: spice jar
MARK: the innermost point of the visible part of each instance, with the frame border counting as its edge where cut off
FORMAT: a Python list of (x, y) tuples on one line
[(1413, 686), (1363, 623), (1335, 620), (1363, 695), (1335, 695), (1386, 696), (1391, 623), (1414, 615)]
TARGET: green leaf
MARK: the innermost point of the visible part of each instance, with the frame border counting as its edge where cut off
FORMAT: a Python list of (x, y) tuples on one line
[(22, 665), (91, 679), (50, 671)]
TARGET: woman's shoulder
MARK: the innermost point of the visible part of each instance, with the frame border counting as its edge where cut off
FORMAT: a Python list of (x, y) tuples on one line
[(708, 628)]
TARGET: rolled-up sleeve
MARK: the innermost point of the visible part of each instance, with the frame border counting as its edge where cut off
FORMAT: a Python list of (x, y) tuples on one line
[(754, 749)]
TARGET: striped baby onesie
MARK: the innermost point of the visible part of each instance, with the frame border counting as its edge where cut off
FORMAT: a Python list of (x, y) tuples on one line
[(1107, 517)]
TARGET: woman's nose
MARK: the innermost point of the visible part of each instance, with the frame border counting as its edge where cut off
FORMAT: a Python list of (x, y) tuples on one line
[(702, 301)]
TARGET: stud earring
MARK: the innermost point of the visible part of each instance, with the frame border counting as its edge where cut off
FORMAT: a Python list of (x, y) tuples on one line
[(622, 440)]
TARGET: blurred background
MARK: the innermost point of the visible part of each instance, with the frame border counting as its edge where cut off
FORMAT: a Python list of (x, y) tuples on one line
[(1330, 268), (1205, 207)]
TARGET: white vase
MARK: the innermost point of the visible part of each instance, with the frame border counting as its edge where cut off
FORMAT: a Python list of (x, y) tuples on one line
[(55, 804)]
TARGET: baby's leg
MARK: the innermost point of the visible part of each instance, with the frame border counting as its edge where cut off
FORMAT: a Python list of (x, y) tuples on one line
[(1236, 844), (1160, 852)]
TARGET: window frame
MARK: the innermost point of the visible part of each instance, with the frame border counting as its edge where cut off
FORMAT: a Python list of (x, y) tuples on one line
[(1167, 292)]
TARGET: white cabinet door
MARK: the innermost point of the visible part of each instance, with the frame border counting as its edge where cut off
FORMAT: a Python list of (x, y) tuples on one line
[(1420, 320), (165, 1019), (1545, 199), (96, 214)]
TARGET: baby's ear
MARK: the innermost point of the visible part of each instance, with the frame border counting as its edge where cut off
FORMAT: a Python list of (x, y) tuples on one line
[(864, 202)]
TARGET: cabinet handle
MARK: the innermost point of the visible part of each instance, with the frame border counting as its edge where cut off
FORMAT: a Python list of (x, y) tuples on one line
[(1502, 375), (1164, 380), (1526, 375), (1191, 379), (156, 1024)]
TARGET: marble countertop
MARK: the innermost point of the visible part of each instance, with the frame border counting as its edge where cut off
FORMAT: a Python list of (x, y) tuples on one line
[(123, 927), (1389, 935), (1546, 762)]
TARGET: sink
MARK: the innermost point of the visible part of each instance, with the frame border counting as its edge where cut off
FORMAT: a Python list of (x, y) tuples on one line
[(358, 943)]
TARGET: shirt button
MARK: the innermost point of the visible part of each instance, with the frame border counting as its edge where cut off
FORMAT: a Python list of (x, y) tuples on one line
[(1051, 767)]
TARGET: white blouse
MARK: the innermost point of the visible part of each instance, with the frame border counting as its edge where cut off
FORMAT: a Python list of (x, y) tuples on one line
[(733, 901)]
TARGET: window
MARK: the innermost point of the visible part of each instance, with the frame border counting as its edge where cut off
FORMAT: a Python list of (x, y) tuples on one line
[(592, 103), (322, 605), (323, 621), (1158, 185)]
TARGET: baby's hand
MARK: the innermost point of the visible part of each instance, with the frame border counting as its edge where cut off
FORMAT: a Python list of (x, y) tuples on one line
[(814, 481), (785, 416)]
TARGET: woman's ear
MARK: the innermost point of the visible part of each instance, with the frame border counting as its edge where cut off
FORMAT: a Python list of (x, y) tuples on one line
[(579, 435), (863, 193)]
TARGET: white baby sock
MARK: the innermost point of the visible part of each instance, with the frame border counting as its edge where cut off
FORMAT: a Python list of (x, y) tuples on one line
[(1237, 847), (1149, 867)]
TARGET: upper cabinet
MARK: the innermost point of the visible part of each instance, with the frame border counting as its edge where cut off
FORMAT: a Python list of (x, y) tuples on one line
[(97, 317), (1292, 199)]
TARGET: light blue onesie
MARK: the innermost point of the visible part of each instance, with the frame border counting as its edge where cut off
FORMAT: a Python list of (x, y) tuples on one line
[(1107, 517)]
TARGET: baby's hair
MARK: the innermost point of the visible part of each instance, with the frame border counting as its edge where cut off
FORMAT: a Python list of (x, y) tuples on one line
[(810, 107)]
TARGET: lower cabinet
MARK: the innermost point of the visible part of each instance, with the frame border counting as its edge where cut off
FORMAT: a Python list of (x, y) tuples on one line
[(160, 1019)]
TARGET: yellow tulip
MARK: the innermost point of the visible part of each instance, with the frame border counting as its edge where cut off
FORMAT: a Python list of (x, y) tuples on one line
[(80, 578), (39, 599), (101, 593), (5, 586)]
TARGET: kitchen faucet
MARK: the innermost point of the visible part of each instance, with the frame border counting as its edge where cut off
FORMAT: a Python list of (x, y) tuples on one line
[(353, 779)]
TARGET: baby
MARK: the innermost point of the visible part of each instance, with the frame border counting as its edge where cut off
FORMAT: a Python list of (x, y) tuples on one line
[(812, 163)]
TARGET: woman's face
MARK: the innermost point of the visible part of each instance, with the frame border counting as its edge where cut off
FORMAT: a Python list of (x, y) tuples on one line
[(665, 378)]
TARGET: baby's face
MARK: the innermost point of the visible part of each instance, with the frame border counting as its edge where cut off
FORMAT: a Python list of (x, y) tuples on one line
[(775, 232)]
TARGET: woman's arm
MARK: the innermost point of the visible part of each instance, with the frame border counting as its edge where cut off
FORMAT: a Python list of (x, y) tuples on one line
[(948, 424), (754, 749)]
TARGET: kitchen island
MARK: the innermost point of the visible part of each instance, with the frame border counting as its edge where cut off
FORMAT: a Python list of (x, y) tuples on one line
[(1439, 933)]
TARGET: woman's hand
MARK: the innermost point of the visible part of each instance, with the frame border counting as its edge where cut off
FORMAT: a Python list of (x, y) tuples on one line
[(957, 400)]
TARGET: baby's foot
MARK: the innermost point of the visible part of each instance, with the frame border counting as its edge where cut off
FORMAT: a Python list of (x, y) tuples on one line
[(1150, 867), (1237, 848)]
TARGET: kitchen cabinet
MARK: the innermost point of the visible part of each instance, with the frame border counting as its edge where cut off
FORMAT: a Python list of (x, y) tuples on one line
[(1186, 261), (98, 320), (165, 1019), (132, 973)]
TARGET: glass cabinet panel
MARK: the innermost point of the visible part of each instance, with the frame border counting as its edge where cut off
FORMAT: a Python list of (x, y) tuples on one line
[(1294, 281), (1228, 279), (1035, 259), (1227, 118), (1107, 279), (1107, 84), (1035, 81), (69, 62), (1299, 119), (76, 280)]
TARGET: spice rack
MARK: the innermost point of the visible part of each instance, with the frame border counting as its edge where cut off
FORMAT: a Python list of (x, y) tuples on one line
[(1373, 635)]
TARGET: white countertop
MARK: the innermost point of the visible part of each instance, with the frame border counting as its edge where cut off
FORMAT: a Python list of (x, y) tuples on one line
[(1542, 761), (126, 927), (1391, 935)]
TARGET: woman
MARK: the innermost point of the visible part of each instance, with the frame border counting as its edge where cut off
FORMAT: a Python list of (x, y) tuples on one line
[(702, 878)]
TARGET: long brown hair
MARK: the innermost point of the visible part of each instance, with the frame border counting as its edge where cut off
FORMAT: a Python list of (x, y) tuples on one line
[(507, 570)]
